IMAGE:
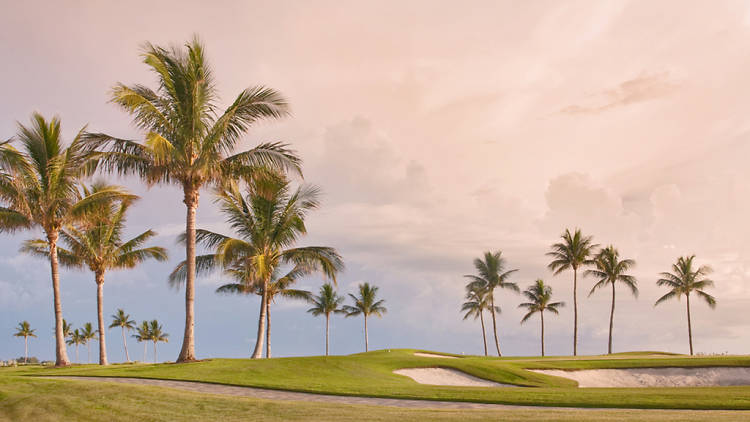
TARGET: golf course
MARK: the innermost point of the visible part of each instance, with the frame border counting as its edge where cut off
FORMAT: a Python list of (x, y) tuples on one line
[(31, 392)]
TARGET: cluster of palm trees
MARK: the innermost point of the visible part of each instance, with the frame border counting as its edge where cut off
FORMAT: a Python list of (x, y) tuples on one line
[(575, 252)]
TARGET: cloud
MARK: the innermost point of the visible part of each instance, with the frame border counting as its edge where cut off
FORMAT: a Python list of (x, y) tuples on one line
[(645, 87)]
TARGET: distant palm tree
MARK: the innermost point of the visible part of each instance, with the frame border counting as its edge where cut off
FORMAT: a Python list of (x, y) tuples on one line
[(684, 280), (539, 296), (122, 320), (67, 330), (97, 243), (39, 188), (366, 305), (156, 334), (269, 219), (76, 338), (573, 252), (477, 301), (609, 270), (24, 330), (88, 333), (143, 335), (491, 275), (326, 303), (189, 139)]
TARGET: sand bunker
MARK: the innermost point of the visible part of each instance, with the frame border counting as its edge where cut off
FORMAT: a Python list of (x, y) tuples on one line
[(655, 377), (432, 355), (444, 376)]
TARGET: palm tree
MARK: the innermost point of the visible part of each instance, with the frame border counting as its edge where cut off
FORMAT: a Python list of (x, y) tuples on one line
[(156, 334), (67, 330), (491, 275), (325, 303), (539, 296), (609, 270), (188, 140), (684, 280), (365, 305), (122, 320), (76, 338), (143, 335), (24, 330), (39, 189), (269, 219), (98, 244), (477, 301), (88, 333), (573, 252)]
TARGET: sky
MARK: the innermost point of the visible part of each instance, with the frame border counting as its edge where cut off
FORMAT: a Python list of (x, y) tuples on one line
[(436, 132)]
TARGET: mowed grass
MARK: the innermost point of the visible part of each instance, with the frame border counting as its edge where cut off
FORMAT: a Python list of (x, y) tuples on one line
[(371, 374), (27, 399)]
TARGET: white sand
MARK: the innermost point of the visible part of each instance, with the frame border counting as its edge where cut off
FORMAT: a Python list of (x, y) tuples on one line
[(655, 377), (445, 376), (432, 355)]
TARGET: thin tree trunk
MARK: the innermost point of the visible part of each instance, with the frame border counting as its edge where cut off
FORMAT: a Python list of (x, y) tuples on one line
[(494, 322), (125, 343), (26, 349), (542, 314), (154, 352), (367, 345), (100, 317), (88, 351), (328, 317), (484, 331), (258, 352), (690, 328), (61, 353), (575, 311), (268, 329), (144, 351), (78, 360), (187, 353), (611, 319)]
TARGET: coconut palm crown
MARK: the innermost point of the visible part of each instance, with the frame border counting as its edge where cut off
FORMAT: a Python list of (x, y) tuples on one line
[(326, 303), (366, 304), (189, 139), (539, 297), (683, 280)]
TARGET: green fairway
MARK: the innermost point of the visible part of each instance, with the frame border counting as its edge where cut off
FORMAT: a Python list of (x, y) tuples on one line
[(370, 374)]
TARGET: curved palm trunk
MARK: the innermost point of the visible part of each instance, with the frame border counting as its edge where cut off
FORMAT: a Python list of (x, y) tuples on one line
[(268, 329), (61, 353), (542, 314), (690, 328), (187, 353), (484, 331), (125, 343), (575, 312), (100, 317), (611, 319), (258, 352), (494, 322), (367, 345), (328, 317)]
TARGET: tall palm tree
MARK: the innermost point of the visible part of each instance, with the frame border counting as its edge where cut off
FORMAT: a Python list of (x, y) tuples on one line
[(143, 335), (88, 333), (157, 334), (365, 305), (97, 243), (76, 338), (269, 219), (279, 286), (684, 280), (326, 303), (122, 320), (491, 275), (610, 269), (477, 301), (24, 330), (539, 296), (573, 252), (189, 139), (39, 189)]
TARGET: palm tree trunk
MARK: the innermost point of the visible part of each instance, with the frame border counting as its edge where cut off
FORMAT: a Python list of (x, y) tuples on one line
[(268, 329), (494, 322), (611, 319), (367, 345), (542, 314), (144, 351), (61, 353), (575, 312), (100, 317), (187, 353), (484, 331), (26, 349), (154, 352), (258, 352), (88, 351), (328, 317), (690, 328), (78, 360), (125, 343)]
